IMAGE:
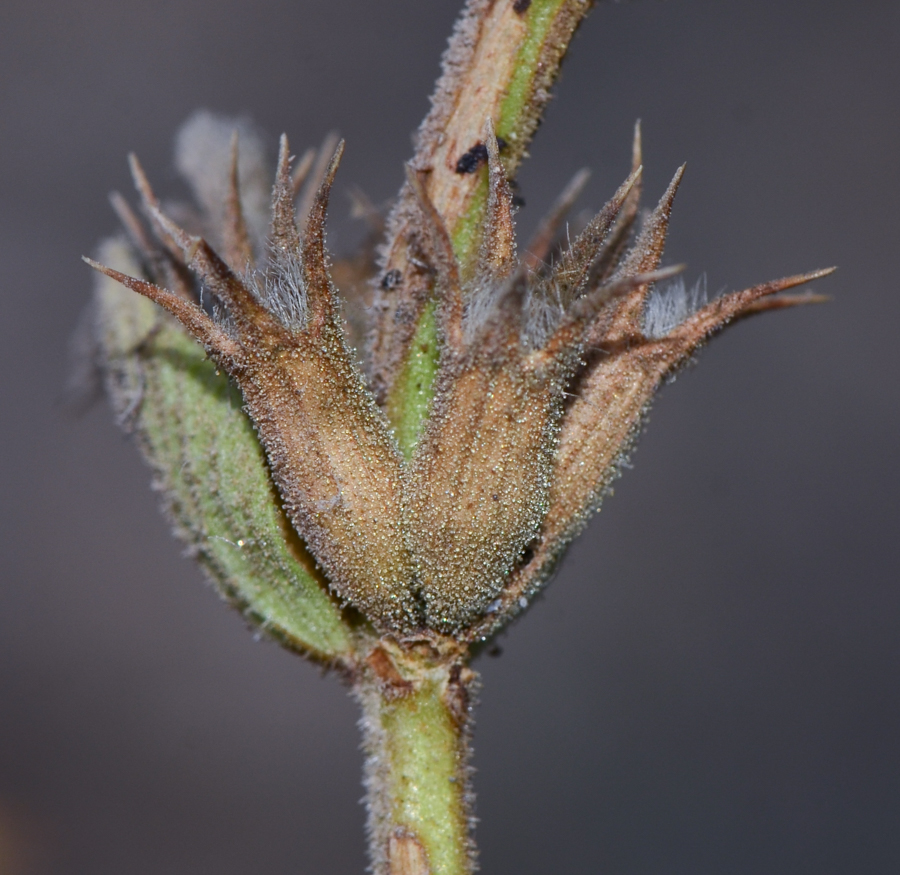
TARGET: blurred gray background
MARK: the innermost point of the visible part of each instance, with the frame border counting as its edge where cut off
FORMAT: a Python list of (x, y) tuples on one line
[(710, 685)]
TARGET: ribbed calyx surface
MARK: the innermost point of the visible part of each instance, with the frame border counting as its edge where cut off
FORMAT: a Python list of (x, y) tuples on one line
[(544, 370)]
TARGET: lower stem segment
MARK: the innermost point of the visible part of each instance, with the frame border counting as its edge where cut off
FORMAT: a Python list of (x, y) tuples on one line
[(416, 735)]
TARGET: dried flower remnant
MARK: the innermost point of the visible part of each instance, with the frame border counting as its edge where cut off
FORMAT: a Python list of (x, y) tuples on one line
[(399, 512)]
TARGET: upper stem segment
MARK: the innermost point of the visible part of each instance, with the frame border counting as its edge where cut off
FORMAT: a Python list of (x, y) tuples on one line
[(501, 61)]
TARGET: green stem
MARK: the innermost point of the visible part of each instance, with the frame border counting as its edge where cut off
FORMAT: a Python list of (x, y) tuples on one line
[(519, 109), (416, 738)]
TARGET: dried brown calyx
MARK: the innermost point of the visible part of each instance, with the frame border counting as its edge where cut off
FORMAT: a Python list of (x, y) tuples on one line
[(545, 369)]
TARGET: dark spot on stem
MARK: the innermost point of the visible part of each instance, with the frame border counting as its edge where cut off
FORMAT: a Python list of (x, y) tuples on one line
[(391, 280), (470, 161), (521, 6)]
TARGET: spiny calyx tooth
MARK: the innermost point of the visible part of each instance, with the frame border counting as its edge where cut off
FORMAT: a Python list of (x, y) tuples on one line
[(543, 374), (331, 455)]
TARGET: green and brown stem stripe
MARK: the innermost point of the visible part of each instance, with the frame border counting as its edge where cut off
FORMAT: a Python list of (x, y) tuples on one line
[(416, 736), (501, 62)]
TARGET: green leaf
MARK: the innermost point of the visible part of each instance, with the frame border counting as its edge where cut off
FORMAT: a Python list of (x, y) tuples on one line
[(211, 469)]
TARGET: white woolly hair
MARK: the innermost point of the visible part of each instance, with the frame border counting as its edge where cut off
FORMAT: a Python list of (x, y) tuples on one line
[(481, 303), (541, 314), (669, 306), (281, 289), (203, 158)]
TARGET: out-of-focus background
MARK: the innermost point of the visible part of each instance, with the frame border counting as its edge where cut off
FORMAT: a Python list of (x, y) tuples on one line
[(712, 684)]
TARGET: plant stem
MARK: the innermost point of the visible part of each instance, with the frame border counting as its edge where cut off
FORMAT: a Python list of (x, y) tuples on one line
[(500, 65), (416, 722), (501, 62)]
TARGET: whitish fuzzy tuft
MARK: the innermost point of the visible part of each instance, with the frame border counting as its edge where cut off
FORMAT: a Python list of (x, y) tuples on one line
[(281, 288), (203, 157), (668, 307), (544, 310)]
